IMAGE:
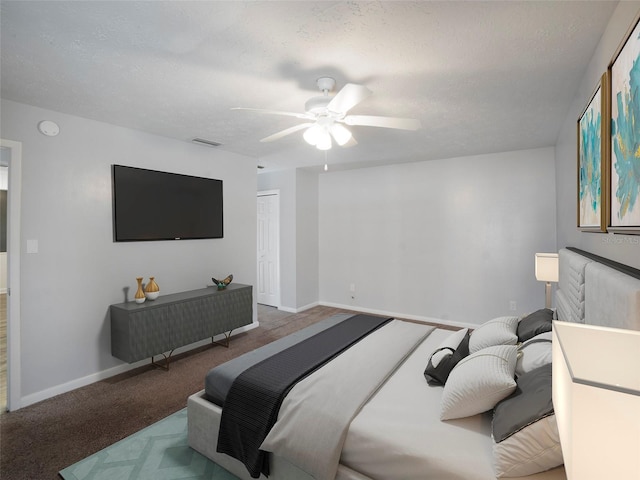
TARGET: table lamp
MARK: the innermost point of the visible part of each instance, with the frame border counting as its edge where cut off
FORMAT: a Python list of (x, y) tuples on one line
[(547, 271)]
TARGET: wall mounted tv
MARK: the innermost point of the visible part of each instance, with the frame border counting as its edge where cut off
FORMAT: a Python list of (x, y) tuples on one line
[(151, 205)]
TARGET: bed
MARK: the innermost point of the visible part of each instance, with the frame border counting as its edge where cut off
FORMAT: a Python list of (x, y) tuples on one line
[(395, 430)]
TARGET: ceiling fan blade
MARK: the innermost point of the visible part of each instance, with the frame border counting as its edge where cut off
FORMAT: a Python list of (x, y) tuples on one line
[(286, 131), (349, 96), (351, 143), (276, 112), (384, 122)]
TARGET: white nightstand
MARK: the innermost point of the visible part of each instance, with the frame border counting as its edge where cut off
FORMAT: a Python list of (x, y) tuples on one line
[(596, 397)]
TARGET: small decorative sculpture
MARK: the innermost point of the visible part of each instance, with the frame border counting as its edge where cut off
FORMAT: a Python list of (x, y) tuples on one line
[(222, 284)]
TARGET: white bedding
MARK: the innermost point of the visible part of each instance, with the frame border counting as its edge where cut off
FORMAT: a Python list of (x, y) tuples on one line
[(315, 415), (398, 435)]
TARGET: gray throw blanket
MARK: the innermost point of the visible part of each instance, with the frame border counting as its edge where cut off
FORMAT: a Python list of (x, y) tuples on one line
[(252, 404)]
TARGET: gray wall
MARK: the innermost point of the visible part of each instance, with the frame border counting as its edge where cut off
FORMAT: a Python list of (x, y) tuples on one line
[(67, 287), (449, 239), (622, 248)]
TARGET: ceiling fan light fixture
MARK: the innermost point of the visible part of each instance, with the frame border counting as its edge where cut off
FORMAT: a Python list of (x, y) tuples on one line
[(340, 133), (312, 134), (326, 116), (324, 140)]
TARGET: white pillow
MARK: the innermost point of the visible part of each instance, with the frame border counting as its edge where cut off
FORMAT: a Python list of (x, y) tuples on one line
[(448, 346), (535, 448), (479, 381), (499, 331), (536, 352)]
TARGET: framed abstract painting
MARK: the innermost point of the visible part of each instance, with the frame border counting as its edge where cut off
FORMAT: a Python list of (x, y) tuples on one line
[(624, 74), (592, 161)]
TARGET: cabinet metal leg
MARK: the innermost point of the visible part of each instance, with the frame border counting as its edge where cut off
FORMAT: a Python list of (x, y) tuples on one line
[(165, 364), (225, 343)]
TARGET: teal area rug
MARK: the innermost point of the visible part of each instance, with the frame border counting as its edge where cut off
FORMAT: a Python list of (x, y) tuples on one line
[(158, 452)]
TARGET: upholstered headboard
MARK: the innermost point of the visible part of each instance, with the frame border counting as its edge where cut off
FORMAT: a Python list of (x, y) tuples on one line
[(570, 293), (592, 292)]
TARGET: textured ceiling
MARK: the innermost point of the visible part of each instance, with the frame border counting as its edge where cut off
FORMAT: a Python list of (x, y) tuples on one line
[(481, 76)]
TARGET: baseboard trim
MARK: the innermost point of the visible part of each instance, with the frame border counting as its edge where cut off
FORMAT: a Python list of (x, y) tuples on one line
[(117, 370), (300, 309), (417, 318)]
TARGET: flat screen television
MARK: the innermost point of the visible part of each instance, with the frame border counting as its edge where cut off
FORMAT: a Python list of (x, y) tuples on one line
[(151, 205)]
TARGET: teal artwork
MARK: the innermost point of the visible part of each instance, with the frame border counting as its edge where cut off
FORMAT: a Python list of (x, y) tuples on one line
[(625, 134), (590, 161)]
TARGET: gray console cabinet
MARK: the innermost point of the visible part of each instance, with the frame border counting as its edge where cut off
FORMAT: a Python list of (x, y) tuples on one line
[(140, 331)]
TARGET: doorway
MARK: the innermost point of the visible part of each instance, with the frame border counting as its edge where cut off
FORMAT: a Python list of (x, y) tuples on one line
[(10, 182), (4, 188), (269, 248)]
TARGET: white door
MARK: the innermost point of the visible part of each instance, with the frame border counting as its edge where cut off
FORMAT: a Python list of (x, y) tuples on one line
[(268, 248)]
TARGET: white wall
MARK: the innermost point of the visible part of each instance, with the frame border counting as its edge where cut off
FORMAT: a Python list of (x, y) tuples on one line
[(3, 272), (67, 287), (4, 173), (307, 263), (450, 239), (622, 248)]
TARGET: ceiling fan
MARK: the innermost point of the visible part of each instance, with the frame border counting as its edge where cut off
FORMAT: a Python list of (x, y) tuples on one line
[(327, 116)]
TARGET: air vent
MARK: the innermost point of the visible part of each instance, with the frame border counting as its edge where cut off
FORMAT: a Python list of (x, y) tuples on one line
[(207, 143), (260, 167)]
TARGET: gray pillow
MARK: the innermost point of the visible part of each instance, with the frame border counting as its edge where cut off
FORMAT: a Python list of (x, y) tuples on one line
[(534, 324), (530, 402), (525, 431)]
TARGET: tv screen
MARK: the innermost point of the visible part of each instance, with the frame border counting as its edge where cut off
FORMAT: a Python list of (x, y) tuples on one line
[(151, 205)]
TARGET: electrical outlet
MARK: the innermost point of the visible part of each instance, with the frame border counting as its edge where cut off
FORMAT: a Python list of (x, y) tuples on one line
[(352, 287), (513, 306)]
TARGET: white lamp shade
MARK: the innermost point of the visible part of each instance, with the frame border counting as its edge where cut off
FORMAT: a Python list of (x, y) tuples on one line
[(312, 134), (324, 140), (318, 136), (596, 398), (547, 267), (340, 134)]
